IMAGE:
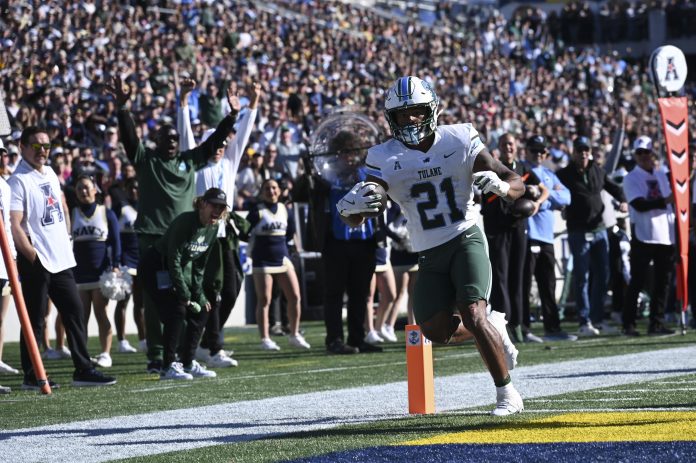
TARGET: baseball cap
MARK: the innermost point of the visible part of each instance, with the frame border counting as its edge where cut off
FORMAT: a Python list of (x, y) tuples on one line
[(643, 143), (536, 143), (582, 142), (215, 196)]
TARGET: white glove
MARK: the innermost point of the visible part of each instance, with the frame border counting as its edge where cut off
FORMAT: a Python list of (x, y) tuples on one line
[(489, 182), (194, 307), (354, 202)]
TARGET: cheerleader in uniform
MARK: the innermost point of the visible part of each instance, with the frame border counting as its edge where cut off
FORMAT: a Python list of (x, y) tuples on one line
[(97, 248), (271, 229), (382, 280), (126, 212)]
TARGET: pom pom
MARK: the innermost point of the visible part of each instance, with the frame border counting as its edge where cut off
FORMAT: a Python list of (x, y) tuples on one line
[(116, 285)]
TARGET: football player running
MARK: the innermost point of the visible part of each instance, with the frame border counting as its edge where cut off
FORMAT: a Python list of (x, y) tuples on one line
[(430, 172)]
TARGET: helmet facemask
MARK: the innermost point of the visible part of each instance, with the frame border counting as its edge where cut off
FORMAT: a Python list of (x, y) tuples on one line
[(408, 93)]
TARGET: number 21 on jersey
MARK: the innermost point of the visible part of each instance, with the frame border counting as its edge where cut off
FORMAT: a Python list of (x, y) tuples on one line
[(429, 191)]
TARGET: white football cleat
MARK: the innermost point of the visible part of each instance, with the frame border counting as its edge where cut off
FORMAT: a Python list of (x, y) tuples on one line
[(497, 319), (508, 401)]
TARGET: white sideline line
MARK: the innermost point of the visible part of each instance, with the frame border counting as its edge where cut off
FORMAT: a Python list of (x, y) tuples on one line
[(176, 430), (671, 389), (555, 401)]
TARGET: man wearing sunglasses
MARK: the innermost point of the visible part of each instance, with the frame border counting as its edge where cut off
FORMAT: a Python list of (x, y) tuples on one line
[(650, 198), (40, 229)]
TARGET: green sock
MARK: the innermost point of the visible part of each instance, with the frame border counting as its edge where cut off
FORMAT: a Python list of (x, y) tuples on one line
[(504, 382)]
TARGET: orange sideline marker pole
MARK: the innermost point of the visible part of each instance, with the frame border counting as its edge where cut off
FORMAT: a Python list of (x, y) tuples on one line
[(18, 297), (419, 367)]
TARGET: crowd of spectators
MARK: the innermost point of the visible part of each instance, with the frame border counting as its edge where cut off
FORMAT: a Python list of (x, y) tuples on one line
[(530, 74)]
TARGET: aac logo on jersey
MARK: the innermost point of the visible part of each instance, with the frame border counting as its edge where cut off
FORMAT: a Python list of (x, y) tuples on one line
[(51, 206)]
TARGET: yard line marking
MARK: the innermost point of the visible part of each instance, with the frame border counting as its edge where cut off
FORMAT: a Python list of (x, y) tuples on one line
[(185, 429)]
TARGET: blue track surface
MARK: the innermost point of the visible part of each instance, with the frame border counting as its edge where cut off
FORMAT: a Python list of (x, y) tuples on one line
[(628, 452)]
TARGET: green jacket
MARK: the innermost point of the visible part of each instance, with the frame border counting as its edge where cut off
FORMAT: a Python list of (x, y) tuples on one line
[(213, 271), (185, 247)]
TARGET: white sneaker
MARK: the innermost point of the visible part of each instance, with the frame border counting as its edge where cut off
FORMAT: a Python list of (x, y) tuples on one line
[(606, 329), (373, 338), (103, 360), (387, 333), (142, 345), (530, 337), (64, 352), (175, 371), (124, 347), (269, 344), (199, 371), (508, 401), (56, 354), (297, 340), (7, 370), (588, 330), (202, 355), (221, 360), (497, 319)]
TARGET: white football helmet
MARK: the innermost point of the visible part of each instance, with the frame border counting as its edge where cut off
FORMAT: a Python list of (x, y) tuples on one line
[(408, 92)]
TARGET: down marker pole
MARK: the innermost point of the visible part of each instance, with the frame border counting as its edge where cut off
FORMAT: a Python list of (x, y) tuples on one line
[(419, 367)]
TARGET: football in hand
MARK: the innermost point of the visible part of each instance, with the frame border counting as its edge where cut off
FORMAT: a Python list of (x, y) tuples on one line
[(367, 190), (532, 192), (522, 207)]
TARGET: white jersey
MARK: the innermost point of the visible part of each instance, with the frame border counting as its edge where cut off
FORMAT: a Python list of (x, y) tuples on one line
[(434, 189), (127, 219), (656, 225), (93, 228), (37, 194), (5, 197)]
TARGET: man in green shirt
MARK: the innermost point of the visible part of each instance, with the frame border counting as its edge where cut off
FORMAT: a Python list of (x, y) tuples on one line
[(167, 179)]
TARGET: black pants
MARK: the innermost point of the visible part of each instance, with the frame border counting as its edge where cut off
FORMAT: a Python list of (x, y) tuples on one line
[(616, 278), (180, 326), (507, 250), (38, 284), (213, 337), (348, 268), (641, 256), (541, 264)]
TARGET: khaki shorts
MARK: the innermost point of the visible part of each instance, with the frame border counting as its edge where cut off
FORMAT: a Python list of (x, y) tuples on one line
[(456, 271)]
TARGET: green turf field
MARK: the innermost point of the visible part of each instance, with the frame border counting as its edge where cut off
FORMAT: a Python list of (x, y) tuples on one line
[(268, 375)]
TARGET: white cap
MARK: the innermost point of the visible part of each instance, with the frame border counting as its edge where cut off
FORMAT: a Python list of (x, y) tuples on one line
[(643, 143)]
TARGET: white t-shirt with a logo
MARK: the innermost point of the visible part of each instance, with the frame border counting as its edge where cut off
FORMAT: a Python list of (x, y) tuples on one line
[(38, 195), (656, 225), (5, 196)]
